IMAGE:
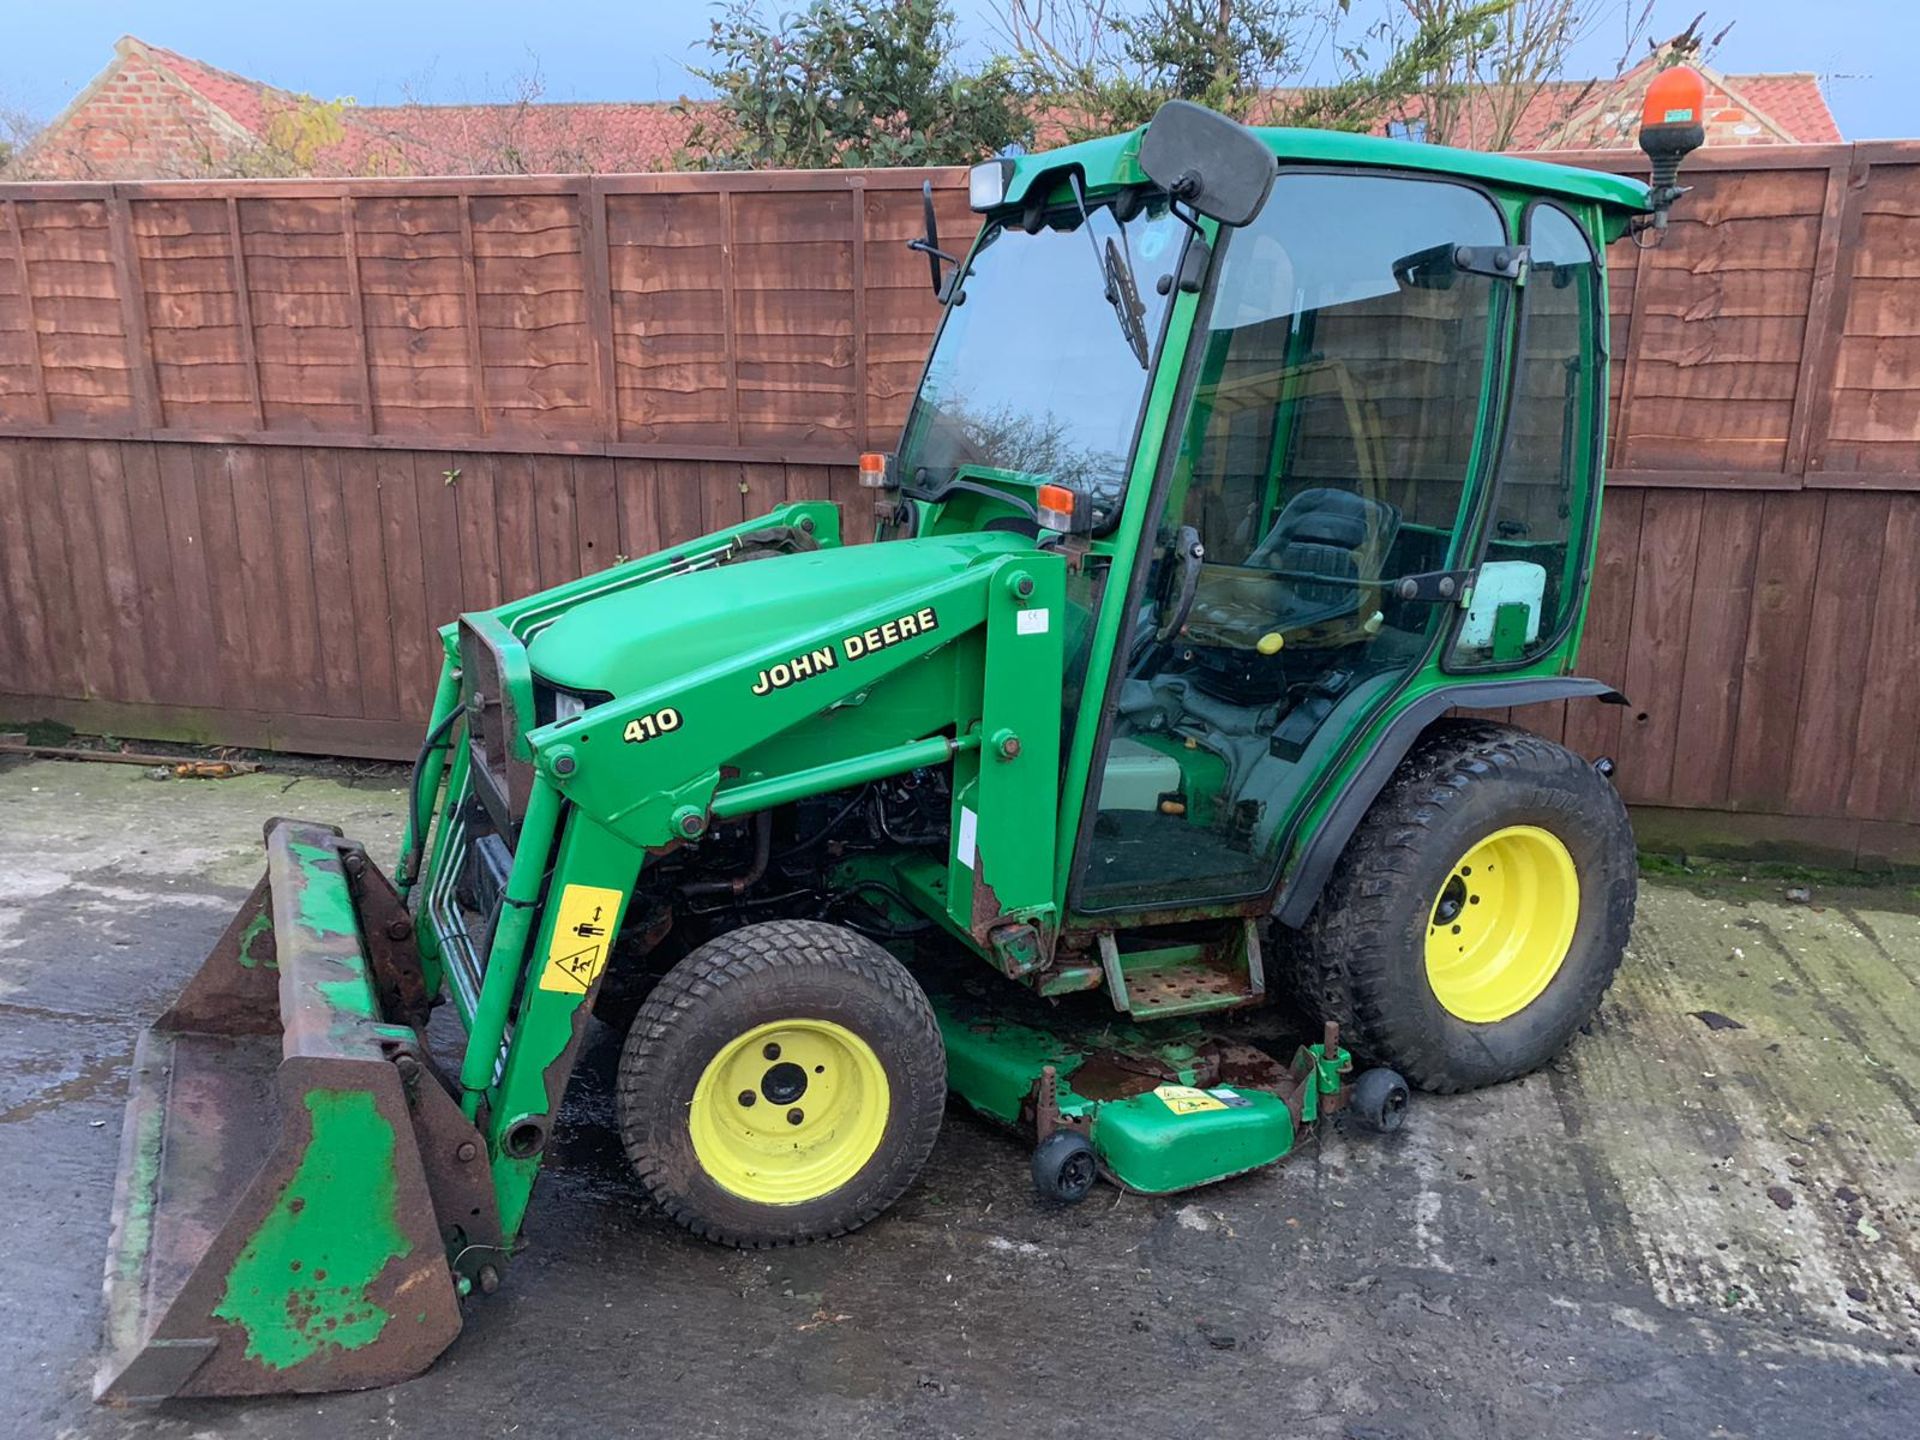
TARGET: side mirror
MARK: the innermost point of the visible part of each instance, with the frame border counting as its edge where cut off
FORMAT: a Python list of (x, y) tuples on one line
[(1673, 124), (1200, 157), (929, 242)]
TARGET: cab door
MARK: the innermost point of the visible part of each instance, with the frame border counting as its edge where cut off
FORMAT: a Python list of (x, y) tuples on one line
[(1344, 405)]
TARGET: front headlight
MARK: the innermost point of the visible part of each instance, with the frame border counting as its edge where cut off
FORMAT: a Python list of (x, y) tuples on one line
[(566, 705)]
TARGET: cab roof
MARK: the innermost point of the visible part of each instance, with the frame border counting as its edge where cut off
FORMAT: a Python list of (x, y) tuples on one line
[(1114, 160)]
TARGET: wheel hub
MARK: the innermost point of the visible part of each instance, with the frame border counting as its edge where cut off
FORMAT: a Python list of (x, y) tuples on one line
[(1502, 924), (783, 1083), (789, 1111)]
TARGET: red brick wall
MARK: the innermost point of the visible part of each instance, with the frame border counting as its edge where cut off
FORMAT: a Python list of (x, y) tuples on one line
[(136, 124)]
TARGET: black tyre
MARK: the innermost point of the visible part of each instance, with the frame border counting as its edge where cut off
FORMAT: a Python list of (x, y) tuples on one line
[(1479, 912), (1064, 1167), (784, 1082), (1380, 1098)]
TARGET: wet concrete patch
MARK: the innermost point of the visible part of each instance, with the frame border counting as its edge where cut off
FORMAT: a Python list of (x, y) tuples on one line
[(1595, 1251)]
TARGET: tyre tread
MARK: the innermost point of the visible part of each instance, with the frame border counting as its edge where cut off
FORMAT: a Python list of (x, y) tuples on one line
[(1341, 958), (692, 984)]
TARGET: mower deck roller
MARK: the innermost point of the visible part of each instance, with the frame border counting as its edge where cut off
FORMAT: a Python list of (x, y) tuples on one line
[(274, 1224)]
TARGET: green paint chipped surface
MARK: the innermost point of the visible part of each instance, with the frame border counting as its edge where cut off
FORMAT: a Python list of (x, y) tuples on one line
[(302, 1283), (326, 906), (326, 909), (134, 1242), (262, 924)]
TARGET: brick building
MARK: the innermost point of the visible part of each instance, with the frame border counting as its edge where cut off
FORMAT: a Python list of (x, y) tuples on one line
[(153, 113)]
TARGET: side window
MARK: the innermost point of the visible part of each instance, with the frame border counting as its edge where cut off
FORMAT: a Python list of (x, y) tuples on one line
[(1530, 578), (1341, 396)]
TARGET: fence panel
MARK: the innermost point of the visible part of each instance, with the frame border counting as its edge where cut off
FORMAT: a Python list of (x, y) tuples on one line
[(258, 438)]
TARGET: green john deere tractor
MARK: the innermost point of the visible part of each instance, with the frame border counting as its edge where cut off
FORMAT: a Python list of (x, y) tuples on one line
[(1243, 459)]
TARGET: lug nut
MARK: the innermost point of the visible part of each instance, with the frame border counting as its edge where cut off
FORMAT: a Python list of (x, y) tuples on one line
[(772, 1051), (746, 1097), (795, 1116)]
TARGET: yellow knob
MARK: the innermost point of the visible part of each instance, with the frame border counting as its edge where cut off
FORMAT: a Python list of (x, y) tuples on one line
[(1270, 643)]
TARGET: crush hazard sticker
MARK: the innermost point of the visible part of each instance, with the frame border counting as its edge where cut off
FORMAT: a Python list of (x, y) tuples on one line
[(1187, 1100), (582, 936)]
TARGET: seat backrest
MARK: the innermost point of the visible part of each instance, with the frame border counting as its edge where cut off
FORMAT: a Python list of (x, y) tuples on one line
[(1329, 532)]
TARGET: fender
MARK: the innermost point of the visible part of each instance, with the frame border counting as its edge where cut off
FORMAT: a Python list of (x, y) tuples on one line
[(1301, 889)]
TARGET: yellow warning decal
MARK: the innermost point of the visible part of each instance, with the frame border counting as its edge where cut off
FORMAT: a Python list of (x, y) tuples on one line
[(582, 936), (1186, 1100)]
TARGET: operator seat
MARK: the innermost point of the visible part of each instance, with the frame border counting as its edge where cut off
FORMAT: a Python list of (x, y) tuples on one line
[(1327, 532)]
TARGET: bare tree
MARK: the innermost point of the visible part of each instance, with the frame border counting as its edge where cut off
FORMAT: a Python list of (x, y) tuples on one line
[(17, 129), (1102, 65), (1505, 86)]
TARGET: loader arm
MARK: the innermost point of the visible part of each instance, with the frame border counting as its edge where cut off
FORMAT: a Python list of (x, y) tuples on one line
[(946, 653)]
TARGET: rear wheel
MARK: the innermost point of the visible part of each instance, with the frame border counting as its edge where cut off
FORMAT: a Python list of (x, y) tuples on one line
[(1479, 912), (782, 1083)]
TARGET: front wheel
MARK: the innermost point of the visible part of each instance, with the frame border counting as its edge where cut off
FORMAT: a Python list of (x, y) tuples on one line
[(784, 1082), (1479, 912)]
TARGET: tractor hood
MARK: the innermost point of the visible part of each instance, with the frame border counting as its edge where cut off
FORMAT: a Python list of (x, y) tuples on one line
[(637, 638)]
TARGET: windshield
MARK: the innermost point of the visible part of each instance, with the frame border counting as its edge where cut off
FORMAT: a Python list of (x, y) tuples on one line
[(1032, 372)]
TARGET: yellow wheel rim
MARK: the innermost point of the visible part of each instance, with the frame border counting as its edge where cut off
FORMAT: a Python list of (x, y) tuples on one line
[(789, 1111), (1502, 924)]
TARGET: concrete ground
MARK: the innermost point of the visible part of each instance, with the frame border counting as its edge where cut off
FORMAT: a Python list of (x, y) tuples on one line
[(1677, 1230)]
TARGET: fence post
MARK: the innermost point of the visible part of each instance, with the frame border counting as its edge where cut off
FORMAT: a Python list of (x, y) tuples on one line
[(133, 313)]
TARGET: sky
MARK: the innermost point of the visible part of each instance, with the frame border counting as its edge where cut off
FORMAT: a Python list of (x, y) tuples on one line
[(392, 51)]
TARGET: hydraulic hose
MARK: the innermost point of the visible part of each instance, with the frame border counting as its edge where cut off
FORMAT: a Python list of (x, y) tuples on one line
[(436, 738)]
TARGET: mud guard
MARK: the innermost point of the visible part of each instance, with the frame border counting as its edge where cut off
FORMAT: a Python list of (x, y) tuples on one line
[(1300, 890)]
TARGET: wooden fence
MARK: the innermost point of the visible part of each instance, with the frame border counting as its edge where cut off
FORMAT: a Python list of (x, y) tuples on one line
[(257, 438)]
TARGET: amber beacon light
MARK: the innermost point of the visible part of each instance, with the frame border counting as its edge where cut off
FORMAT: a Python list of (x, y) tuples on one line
[(1673, 124)]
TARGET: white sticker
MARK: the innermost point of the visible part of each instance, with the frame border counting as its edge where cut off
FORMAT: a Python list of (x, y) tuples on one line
[(1032, 622), (969, 828)]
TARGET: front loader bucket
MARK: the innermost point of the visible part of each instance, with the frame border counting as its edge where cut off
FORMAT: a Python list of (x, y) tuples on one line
[(273, 1224)]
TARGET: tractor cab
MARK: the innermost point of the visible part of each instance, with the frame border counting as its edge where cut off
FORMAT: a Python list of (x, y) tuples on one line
[(1318, 464)]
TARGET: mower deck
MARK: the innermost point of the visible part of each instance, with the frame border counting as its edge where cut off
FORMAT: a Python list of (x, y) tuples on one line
[(1166, 1108)]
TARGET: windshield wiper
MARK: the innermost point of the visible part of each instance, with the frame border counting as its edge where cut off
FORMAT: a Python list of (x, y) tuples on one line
[(1116, 273)]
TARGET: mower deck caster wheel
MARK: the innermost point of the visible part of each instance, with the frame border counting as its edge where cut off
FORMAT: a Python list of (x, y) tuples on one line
[(1064, 1167), (1380, 1098)]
